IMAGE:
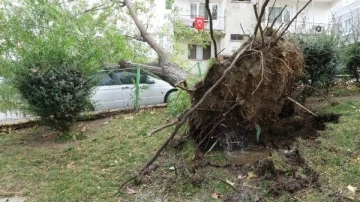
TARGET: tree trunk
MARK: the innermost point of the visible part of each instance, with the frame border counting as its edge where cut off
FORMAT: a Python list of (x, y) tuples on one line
[(166, 70)]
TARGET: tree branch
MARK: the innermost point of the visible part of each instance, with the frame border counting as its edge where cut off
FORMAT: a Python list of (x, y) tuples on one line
[(163, 55), (291, 21), (211, 28)]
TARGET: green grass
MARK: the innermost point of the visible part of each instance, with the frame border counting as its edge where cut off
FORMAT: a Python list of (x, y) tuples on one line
[(345, 92), (91, 165), (88, 169), (336, 155), (42, 166)]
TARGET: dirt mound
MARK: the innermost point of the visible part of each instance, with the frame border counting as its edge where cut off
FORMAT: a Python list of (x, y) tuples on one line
[(251, 96)]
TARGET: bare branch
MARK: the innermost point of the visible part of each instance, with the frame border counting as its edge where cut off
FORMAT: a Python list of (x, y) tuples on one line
[(162, 128), (317, 90), (273, 23), (300, 105), (291, 21), (137, 38), (261, 30), (262, 71), (243, 30), (211, 28), (260, 16), (268, 18)]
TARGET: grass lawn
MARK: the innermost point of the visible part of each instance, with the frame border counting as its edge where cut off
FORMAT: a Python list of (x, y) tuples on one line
[(102, 154)]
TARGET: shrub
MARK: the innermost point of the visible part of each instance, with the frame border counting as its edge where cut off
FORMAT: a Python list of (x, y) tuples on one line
[(179, 102), (57, 94), (351, 59), (320, 61)]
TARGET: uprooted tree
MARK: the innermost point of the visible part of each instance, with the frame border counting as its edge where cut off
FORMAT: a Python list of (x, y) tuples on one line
[(238, 97)]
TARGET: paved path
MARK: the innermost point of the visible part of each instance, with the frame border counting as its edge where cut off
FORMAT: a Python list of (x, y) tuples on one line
[(13, 199), (12, 117)]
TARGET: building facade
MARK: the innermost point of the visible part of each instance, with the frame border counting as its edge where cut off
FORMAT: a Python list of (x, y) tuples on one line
[(347, 13), (235, 19)]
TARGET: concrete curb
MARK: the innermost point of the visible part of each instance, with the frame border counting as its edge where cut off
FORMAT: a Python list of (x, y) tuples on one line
[(24, 123)]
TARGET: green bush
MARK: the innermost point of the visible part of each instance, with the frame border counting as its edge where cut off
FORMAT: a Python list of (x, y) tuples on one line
[(320, 61), (57, 94), (351, 59), (179, 102)]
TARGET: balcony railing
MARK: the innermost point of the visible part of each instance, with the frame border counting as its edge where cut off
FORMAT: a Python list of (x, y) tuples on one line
[(218, 24)]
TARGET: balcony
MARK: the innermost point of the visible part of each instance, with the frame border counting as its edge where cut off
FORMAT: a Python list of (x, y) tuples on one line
[(218, 24)]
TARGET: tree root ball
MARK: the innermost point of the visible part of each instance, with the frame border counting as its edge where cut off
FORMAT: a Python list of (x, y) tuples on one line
[(250, 97)]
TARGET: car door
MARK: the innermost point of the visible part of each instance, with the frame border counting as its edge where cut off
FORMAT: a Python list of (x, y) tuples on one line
[(127, 79), (149, 93), (108, 94)]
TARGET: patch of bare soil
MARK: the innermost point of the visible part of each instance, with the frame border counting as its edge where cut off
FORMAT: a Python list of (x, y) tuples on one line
[(46, 137), (296, 176)]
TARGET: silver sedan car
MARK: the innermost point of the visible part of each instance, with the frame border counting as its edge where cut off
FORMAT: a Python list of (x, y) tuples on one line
[(116, 89)]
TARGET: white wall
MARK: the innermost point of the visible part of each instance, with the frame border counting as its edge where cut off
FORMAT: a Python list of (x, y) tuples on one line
[(316, 13), (237, 13)]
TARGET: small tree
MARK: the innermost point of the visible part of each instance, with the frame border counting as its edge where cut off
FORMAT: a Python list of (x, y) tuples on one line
[(320, 60), (56, 93), (351, 59)]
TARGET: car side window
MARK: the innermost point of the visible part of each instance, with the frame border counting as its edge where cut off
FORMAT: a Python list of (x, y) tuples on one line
[(108, 79), (130, 78)]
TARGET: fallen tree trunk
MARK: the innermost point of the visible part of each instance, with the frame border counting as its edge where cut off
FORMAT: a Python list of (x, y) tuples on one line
[(172, 74), (168, 71)]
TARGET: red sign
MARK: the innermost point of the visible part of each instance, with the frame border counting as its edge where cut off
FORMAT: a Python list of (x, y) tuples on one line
[(199, 23)]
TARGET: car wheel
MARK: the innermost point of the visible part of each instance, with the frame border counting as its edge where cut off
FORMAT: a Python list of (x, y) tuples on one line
[(168, 95)]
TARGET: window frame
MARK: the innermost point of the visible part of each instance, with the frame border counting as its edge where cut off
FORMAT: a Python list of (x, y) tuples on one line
[(282, 17), (240, 1), (347, 26), (205, 13), (193, 50), (241, 36)]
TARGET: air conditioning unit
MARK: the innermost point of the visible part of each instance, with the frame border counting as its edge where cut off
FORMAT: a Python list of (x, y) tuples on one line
[(318, 28)]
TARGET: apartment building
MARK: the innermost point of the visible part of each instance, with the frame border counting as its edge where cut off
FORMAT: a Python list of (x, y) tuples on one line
[(347, 13), (235, 19)]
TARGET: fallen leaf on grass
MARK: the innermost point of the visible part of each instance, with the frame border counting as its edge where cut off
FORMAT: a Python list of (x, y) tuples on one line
[(252, 175), (83, 129), (215, 195), (241, 177), (70, 165), (352, 189), (130, 191), (129, 117), (230, 183)]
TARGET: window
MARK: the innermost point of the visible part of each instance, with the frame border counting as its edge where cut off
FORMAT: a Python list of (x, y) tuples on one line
[(198, 10), (197, 52), (236, 37), (347, 26), (273, 12), (130, 77), (108, 79)]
